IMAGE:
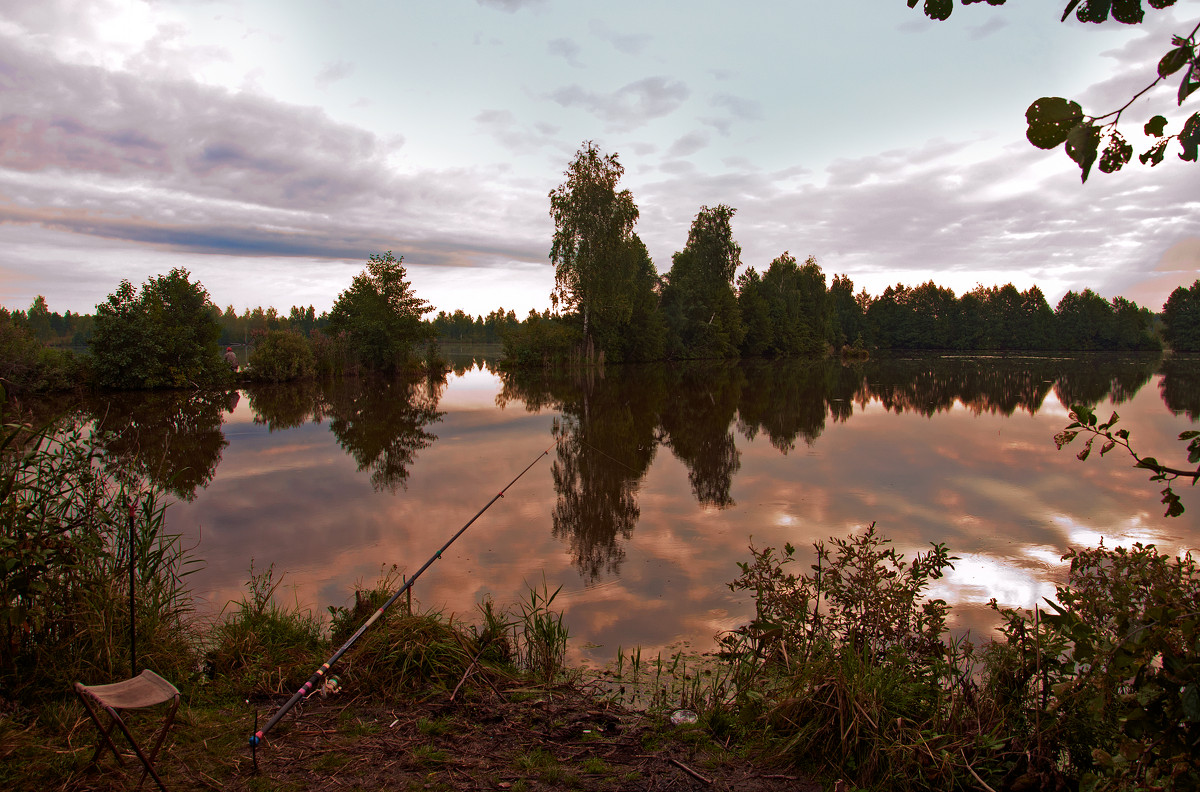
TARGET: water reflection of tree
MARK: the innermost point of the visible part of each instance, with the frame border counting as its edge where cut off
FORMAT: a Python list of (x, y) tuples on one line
[(983, 385), (286, 405), (381, 423), (171, 438), (612, 419), (697, 415), (844, 387), (1091, 379), (606, 443), (785, 400), (1180, 386)]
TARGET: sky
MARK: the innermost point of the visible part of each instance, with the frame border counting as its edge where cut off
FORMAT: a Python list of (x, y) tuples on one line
[(269, 147)]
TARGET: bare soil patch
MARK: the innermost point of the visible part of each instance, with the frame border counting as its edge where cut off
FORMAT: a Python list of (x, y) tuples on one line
[(514, 739)]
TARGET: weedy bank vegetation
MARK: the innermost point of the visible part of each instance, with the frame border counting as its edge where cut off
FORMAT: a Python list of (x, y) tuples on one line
[(846, 671)]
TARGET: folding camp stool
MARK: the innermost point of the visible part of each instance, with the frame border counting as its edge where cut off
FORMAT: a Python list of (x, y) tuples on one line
[(144, 690)]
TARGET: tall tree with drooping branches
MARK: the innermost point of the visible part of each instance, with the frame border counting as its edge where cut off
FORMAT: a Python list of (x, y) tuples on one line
[(593, 229)]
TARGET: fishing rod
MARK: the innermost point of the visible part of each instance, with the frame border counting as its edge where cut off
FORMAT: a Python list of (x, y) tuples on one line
[(315, 679)]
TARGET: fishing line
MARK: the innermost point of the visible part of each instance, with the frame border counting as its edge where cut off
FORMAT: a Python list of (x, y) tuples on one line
[(609, 456), (315, 679)]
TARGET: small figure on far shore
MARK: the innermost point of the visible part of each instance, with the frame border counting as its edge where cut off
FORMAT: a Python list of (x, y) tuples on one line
[(231, 358)]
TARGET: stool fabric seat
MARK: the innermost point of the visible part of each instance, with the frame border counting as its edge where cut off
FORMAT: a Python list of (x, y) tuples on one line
[(147, 689)]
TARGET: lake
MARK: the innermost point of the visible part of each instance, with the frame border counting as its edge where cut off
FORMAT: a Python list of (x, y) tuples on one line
[(657, 478)]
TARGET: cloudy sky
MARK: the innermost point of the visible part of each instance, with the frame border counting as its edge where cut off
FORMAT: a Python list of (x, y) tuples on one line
[(270, 146)]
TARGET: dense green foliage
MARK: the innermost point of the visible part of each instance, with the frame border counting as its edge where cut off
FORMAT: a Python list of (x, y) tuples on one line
[(254, 323), (54, 328), (28, 366), (164, 336), (593, 224), (699, 306), (541, 340), (381, 315), (460, 327), (1181, 319), (1054, 121), (784, 311), (282, 355)]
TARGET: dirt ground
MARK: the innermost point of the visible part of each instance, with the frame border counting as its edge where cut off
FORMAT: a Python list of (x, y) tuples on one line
[(514, 739)]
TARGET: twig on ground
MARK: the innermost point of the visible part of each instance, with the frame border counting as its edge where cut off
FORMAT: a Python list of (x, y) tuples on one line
[(690, 771)]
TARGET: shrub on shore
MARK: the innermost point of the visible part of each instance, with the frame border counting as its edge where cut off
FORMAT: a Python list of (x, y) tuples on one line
[(27, 366), (850, 672), (282, 356)]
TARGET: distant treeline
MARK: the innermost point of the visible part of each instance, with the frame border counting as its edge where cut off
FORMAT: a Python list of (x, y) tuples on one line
[(925, 317), (170, 335), (789, 312)]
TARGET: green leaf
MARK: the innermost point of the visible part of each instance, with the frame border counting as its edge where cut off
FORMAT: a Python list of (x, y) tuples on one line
[(1154, 154), (1070, 7), (1149, 463), (1116, 154), (1128, 12), (1189, 138), (1156, 126), (1051, 120), (1174, 505), (938, 9), (1094, 11), (1062, 438), (1189, 697), (913, 3), (1083, 141), (1190, 82), (1174, 60)]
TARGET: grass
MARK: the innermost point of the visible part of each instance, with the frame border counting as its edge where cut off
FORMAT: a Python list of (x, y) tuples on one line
[(427, 756), (596, 766), (434, 728)]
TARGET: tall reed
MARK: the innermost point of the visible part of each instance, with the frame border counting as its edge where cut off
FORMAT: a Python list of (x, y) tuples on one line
[(64, 577)]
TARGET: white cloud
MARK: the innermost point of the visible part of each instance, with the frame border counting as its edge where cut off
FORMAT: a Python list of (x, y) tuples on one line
[(566, 49), (627, 43), (511, 6), (688, 144), (333, 71), (631, 105)]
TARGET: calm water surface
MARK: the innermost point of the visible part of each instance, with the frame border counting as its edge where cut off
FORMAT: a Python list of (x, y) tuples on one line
[(658, 478)]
